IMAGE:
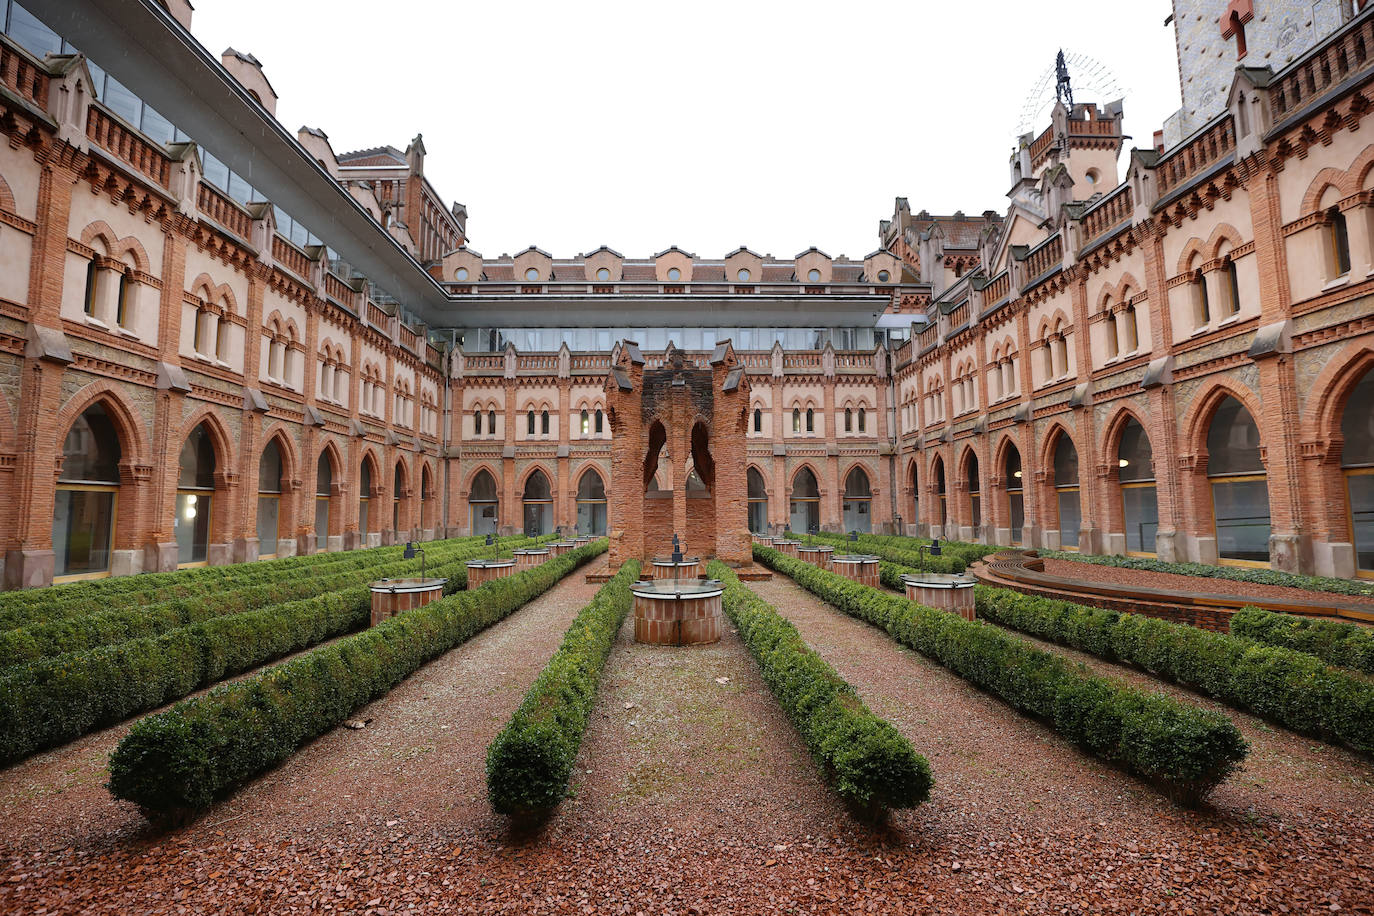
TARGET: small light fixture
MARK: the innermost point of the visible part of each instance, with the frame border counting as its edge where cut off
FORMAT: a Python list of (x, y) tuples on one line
[(1017, 475), (1123, 463)]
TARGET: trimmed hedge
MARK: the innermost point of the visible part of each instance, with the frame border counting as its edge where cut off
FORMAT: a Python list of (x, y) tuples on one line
[(955, 558), (864, 759), (75, 599), (530, 762), (1208, 571), (1345, 645), (54, 700), (1293, 689), (1186, 750), (49, 638), (185, 758)]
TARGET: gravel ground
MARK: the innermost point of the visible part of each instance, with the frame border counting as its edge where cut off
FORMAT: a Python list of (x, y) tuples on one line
[(1116, 575), (699, 798)]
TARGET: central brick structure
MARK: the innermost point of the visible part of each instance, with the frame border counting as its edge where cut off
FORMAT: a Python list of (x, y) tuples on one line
[(680, 418)]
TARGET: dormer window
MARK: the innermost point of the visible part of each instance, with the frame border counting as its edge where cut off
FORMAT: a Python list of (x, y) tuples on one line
[(461, 274), (532, 273), (813, 275), (674, 274), (883, 276), (603, 274), (743, 275)]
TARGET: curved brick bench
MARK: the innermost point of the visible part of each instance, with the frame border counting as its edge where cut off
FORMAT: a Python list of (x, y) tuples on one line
[(1024, 571)]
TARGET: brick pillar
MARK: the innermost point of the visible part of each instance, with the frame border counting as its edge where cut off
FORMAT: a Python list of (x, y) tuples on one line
[(564, 505), (512, 517)]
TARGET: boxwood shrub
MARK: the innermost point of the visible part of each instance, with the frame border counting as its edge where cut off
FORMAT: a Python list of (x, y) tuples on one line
[(955, 557), (62, 635), (183, 759), (531, 760), (1208, 571), (54, 700), (1185, 750), (864, 758), (1294, 689), (1345, 645)]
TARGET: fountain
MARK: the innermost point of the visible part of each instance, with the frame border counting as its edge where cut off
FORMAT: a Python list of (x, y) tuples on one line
[(951, 592), (678, 610), (395, 596)]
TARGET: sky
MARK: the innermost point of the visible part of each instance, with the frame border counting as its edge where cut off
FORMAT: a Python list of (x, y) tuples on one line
[(707, 125)]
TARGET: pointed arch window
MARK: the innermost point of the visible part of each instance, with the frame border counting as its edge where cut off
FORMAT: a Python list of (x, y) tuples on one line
[(805, 512), (591, 504), (477, 422), (195, 497), (269, 499), (1240, 488), (586, 419), (1139, 500), (483, 504), (1016, 496), (858, 501), (758, 420), (92, 288), (810, 420), (83, 527), (600, 422), (796, 419), (861, 420), (538, 505), (1357, 466), (1338, 242), (1066, 493), (543, 422), (529, 423), (758, 502), (848, 420), (324, 492), (491, 422)]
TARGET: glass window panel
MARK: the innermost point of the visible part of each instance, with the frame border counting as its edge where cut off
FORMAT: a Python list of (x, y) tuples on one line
[(97, 79), (591, 518), (591, 486), (29, 31), (91, 449), (239, 189), (1018, 516), (1134, 457), (269, 469), (758, 516), (538, 519), (299, 235), (603, 339), (1142, 518), (197, 460), (363, 515), (121, 101), (856, 515), (1357, 424), (1242, 514), (1361, 490), (805, 515), (537, 486), (82, 531), (1065, 463), (156, 126), (324, 476), (804, 485), (216, 172), (1070, 519), (1233, 441), (321, 523), (268, 507), (192, 526)]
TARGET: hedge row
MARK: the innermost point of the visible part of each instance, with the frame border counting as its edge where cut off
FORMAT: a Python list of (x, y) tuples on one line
[(954, 558), (1234, 573), (531, 760), (100, 595), (1186, 750), (867, 762), (54, 700), (1293, 689), (49, 638), (1346, 645), (185, 758)]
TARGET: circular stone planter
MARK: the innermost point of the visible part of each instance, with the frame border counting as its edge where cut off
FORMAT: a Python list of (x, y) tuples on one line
[(395, 596), (816, 554), (581, 540), (682, 613), (480, 572), (861, 567), (951, 592), (782, 545), (529, 557), (561, 548), (686, 569)]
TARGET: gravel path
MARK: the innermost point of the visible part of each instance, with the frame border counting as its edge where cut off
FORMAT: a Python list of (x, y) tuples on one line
[(1117, 575), (700, 798)]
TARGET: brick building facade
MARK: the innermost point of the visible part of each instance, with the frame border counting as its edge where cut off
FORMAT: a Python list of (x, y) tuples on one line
[(1180, 364)]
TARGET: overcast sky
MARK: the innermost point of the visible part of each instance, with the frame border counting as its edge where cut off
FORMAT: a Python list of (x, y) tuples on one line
[(707, 125)]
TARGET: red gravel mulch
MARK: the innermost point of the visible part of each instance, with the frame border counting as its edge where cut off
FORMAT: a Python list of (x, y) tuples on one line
[(697, 798), (1117, 575)]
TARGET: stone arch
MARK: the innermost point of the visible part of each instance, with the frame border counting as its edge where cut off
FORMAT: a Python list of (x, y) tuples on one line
[(206, 288), (1331, 390), (225, 457), (1049, 442), (291, 468), (1223, 233), (808, 466), (127, 424), (7, 196), (1058, 320), (115, 246), (1326, 178), (588, 466), (762, 472), (1198, 418), (1194, 249), (1358, 173), (472, 477), (524, 478), (1115, 425), (369, 456)]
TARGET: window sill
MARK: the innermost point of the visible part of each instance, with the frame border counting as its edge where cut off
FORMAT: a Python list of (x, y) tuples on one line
[(223, 365), (95, 322), (1227, 322), (202, 358), (1342, 280), (125, 332)]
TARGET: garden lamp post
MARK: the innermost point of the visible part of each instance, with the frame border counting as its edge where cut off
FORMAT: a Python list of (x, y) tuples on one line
[(933, 547), (410, 552)]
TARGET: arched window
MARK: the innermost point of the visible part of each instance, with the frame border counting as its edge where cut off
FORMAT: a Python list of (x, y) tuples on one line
[(1113, 344), (543, 422), (915, 495), (1240, 490), (397, 495), (1061, 353), (1202, 306), (491, 422), (83, 525), (758, 420), (848, 420), (269, 499), (122, 315), (1132, 328), (600, 427), (365, 497), (538, 505), (806, 502), (591, 504), (796, 420), (810, 420), (1357, 464), (477, 422), (483, 503), (943, 495), (861, 420), (1049, 359), (1139, 500), (974, 496), (1016, 495), (93, 289), (1066, 493), (426, 499), (758, 502), (858, 502), (195, 492), (324, 490), (529, 423), (1337, 243), (1232, 280), (586, 422)]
